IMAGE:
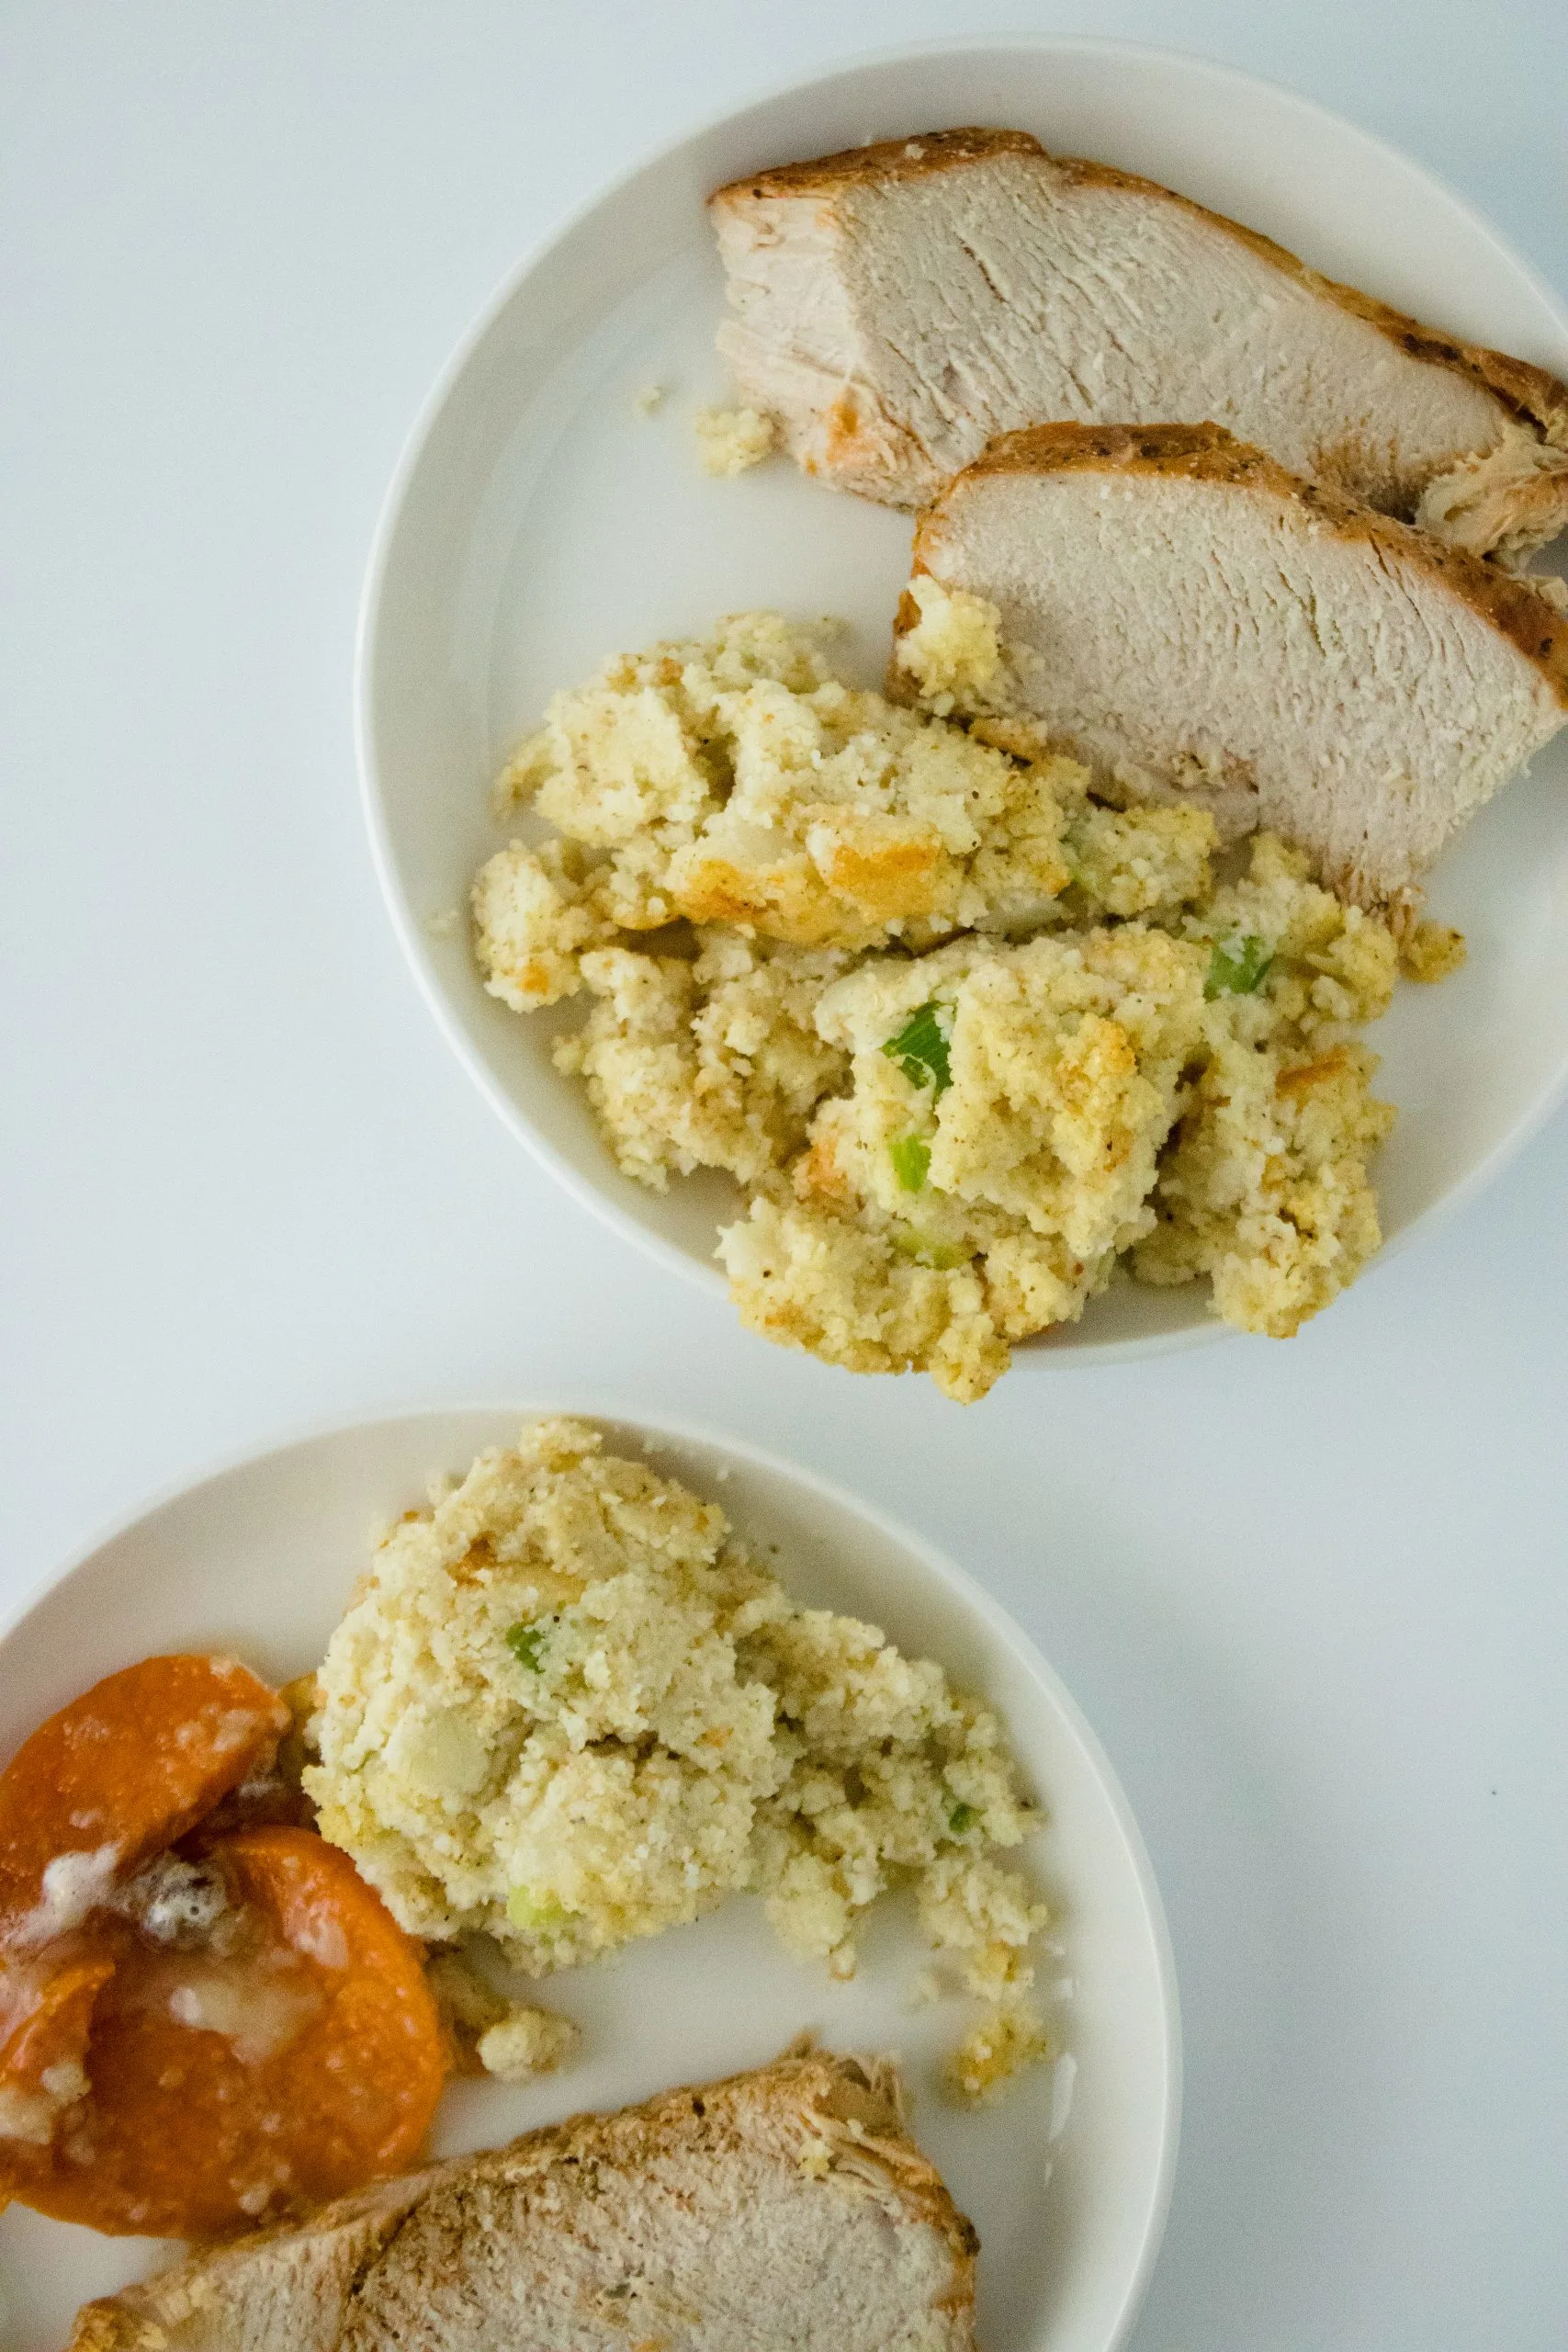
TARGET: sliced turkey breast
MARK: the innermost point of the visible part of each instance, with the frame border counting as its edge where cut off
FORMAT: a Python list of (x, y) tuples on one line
[(1199, 624), (285, 2290), (783, 2208), (897, 307)]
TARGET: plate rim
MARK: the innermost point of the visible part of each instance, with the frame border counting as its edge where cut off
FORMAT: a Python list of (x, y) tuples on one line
[(597, 1199), (949, 1573)]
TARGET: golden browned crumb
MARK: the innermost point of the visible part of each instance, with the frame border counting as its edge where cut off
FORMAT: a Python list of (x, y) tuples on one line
[(729, 440), (1430, 951), (1010, 2038)]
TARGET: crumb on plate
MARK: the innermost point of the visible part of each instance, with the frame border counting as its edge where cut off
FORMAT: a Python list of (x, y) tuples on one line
[(732, 440), (1430, 951)]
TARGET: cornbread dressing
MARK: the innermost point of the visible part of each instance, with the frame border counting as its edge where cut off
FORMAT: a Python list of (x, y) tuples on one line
[(1125, 1063), (568, 1709)]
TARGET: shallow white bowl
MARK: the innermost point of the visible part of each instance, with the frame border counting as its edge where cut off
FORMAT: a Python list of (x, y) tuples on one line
[(1068, 2181), (538, 523)]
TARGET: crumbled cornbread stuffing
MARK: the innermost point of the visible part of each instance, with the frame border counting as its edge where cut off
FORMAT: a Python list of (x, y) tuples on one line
[(1430, 951), (729, 440), (493, 2035), (738, 782), (992, 2052), (969, 1040), (711, 1060), (527, 2042), (568, 1709), (953, 651), (1264, 1185), (533, 922)]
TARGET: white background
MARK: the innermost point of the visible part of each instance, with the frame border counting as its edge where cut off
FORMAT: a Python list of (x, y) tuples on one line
[(1311, 1596)]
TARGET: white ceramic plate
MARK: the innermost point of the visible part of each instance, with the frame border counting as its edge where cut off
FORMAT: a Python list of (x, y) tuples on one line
[(539, 523), (1066, 2182)]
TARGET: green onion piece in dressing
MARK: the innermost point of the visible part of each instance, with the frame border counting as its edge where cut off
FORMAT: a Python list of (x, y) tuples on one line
[(911, 1243), (525, 1642), (527, 1912), (1238, 969), (921, 1047), (911, 1158)]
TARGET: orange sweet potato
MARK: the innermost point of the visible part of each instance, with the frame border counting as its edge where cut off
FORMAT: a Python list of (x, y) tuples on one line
[(46, 2016), (125, 1770), (297, 2058)]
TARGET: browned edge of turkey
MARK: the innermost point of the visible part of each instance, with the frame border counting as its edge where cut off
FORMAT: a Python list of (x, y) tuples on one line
[(150, 2314), (1531, 393), (1208, 453), (855, 2103), (856, 2099), (885, 159)]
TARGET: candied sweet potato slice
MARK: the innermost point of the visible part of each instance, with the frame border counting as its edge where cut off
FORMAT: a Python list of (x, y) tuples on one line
[(283, 2065), (46, 2016), (117, 1775)]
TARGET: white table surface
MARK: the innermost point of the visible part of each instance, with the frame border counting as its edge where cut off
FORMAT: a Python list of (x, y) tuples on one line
[(1311, 1596)]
